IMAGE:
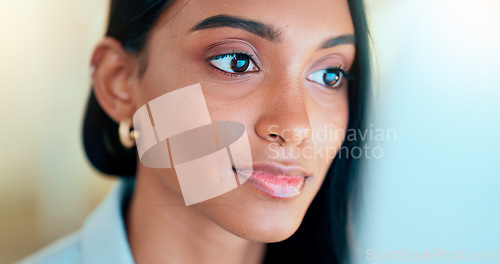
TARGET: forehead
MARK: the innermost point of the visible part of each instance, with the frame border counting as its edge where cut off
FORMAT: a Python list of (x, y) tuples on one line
[(293, 18)]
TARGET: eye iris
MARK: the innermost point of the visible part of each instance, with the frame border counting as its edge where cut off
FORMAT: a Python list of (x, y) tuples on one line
[(239, 63), (331, 77)]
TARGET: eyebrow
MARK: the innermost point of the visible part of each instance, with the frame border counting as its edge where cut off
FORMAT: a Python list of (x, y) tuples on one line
[(260, 29), (340, 40)]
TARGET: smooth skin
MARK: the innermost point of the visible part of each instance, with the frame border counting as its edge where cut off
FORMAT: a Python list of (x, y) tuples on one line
[(280, 103)]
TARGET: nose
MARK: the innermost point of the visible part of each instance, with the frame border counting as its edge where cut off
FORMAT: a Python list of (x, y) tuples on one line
[(284, 118)]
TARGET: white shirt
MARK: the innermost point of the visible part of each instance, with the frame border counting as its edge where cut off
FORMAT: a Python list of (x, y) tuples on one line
[(102, 238)]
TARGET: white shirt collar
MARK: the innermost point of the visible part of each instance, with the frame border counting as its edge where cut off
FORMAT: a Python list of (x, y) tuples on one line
[(104, 236)]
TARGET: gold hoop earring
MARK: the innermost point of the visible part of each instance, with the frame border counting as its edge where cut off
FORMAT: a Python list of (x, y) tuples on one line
[(127, 136)]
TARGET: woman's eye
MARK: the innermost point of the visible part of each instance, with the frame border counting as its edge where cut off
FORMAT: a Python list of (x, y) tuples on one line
[(235, 63), (327, 77)]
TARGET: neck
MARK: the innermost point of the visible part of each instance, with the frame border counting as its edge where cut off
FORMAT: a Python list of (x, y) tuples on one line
[(161, 229)]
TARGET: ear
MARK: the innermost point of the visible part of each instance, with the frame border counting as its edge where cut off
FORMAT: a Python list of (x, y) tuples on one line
[(113, 78)]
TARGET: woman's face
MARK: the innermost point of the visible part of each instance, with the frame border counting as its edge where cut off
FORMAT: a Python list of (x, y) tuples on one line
[(280, 77)]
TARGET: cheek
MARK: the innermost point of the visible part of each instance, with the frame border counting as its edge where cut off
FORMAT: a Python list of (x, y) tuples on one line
[(167, 69), (329, 125)]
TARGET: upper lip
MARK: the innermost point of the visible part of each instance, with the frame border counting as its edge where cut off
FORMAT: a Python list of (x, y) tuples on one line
[(277, 169)]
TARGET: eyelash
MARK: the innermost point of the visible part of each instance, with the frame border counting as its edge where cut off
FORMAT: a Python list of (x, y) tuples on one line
[(233, 53), (342, 69), (342, 73), (347, 74)]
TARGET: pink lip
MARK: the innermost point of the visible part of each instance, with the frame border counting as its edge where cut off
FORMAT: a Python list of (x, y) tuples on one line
[(278, 181)]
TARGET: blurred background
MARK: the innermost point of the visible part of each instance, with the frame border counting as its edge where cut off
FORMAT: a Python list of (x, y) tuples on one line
[(46, 185), (434, 195), (436, 186)]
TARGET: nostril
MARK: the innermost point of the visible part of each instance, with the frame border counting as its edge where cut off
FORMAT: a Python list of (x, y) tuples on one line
[(273, 137)]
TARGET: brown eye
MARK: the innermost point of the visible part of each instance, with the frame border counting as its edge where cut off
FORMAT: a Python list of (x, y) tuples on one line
[(331, 77), (327, 77), (239, 63), (236, 63)]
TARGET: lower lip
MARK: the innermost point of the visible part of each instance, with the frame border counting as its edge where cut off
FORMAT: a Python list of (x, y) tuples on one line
[(279, 186)]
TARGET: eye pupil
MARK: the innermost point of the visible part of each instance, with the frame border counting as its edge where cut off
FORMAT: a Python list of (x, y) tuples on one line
[(331, 77), (240, 63)]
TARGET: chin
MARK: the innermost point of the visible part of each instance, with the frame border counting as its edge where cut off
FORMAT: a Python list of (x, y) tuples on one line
[(256, 217), (268, 230), (274, 233)]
